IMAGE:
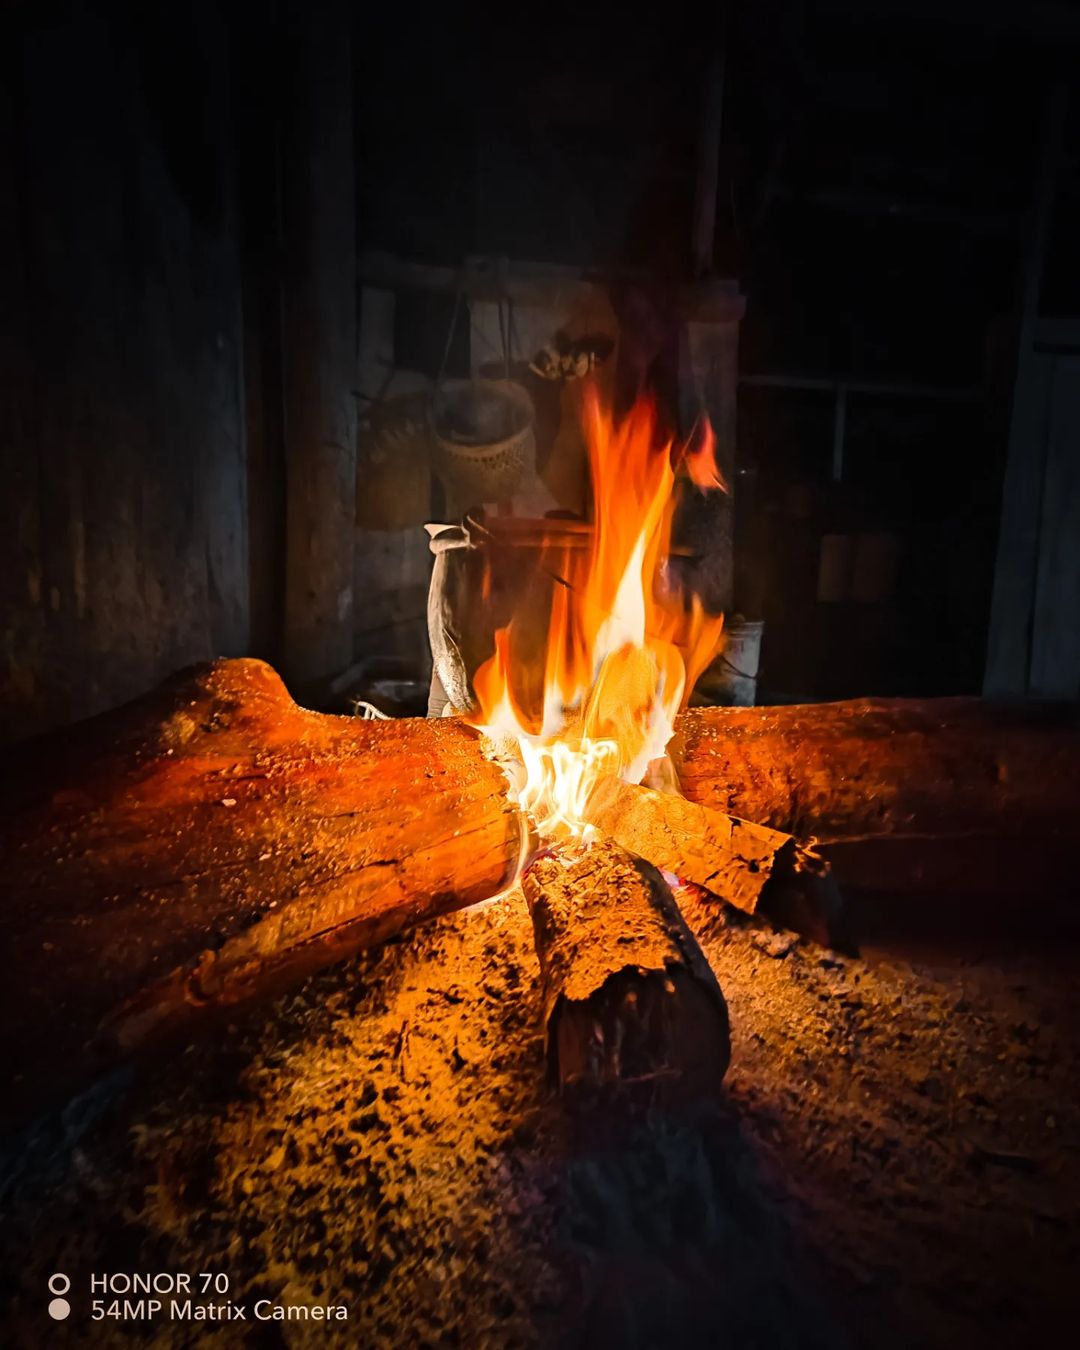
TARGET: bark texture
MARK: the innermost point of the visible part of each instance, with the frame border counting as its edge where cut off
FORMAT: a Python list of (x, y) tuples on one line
[(628, 998), (735, 859), (211, 842), (870, 768)]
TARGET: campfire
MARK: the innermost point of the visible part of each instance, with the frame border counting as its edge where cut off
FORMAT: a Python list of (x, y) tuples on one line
[(252, 841), (451, 469), (628, 995), (179, 860), (212, 842)]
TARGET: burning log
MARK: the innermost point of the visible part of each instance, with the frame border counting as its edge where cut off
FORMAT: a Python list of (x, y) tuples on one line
[(739, 861), (628, 996), (211, 842)]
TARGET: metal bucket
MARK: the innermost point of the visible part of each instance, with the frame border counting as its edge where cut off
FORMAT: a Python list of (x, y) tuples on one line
[(731, 680), (486, 573)]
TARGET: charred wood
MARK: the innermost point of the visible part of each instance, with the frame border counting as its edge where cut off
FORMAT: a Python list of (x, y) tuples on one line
[(629, 1000), (745, 864)]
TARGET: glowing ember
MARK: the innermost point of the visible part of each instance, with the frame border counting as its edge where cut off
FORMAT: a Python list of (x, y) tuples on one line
[(624, 645)]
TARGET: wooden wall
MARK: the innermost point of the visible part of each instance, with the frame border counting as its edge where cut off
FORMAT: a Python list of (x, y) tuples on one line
[(1034, 643), (319, 341), (123, 513)]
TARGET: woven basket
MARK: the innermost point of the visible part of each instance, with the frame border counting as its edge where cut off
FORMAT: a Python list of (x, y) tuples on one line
[(393, 467), (485, 440), (393, 455)]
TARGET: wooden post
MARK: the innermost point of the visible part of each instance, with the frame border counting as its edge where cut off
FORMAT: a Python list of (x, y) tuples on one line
[(1009, 642), (319, 307), (257, 116)]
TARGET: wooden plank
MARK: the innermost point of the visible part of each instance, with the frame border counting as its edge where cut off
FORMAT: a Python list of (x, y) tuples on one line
[(1055, 638), (1009, 637), (704, 231), (705, 522), (1008, 659), (256, 117), (23, 622)]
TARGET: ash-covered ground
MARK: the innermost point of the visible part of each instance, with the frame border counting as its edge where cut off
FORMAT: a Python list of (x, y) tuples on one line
[(894, 1161)]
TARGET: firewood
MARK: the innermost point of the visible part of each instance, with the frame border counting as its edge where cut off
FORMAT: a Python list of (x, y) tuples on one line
[(628, 998), (735, 859), (874, 768), (211, 842)]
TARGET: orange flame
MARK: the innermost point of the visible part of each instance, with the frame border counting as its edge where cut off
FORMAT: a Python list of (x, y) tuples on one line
[(624, 646), (700, 460)]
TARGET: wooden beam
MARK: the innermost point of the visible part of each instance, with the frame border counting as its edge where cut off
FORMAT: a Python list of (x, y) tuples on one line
[(873, 388), (319, 342), (716, 300)]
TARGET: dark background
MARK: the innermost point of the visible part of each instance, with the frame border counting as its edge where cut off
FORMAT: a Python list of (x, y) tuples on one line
[(185, 191)]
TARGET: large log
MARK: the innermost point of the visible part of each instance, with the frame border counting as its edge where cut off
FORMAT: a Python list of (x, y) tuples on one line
[(871, 768), (211, 842), (629, 1000)]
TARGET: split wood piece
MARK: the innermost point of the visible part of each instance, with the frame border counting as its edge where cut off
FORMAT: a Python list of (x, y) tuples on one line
[(873, 768), (629, 1000), (210, 843), (743, 863)]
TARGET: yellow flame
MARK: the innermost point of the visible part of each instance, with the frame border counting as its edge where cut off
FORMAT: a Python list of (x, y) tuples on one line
[(624, 646)]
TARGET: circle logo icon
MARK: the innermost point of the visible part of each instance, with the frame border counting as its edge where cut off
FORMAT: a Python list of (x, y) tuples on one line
[(59, 1308)]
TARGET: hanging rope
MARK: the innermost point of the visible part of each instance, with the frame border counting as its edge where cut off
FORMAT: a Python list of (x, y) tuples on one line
[(459, 295)]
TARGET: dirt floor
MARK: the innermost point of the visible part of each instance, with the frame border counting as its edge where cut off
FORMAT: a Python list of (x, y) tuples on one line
[(894, 1162)]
